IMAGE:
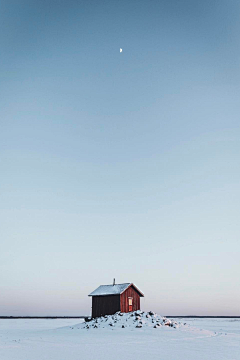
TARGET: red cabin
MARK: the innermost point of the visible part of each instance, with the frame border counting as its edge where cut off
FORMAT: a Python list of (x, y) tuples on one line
[(108, 299)]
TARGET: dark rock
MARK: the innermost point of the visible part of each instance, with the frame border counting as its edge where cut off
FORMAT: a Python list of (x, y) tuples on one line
[(87, 319)]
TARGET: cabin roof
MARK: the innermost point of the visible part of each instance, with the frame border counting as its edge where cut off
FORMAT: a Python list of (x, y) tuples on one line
[(116, 289)]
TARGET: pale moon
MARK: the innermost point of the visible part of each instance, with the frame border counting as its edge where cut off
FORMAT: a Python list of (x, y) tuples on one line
[(120, 50)]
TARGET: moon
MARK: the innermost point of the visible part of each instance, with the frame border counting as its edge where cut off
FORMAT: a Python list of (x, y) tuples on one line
[(120, 50)]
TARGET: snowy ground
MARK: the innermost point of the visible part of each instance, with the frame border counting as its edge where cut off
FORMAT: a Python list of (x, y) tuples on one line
[(64, 339)]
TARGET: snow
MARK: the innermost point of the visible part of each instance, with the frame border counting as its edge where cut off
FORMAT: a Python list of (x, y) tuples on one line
[(64, 339), (115, 289), (110, 289), (133, 320)]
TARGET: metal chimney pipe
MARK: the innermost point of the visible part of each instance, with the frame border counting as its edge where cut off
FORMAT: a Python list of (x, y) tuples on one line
[(114, 281)]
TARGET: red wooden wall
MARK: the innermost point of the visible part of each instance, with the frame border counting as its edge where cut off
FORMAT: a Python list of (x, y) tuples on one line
[(130, 292)]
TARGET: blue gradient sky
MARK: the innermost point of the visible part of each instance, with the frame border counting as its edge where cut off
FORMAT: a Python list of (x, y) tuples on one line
[(119, 165)]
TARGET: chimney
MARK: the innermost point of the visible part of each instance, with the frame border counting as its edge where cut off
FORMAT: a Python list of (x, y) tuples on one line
[(114, 281)]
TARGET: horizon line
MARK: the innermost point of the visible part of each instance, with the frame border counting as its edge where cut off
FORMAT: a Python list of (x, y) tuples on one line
[(85, 316)]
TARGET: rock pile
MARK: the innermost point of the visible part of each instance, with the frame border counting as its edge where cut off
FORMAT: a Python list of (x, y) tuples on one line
[(137, 319)]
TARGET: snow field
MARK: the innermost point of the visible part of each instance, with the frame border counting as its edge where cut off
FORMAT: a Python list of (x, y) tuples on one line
[(199, 339)]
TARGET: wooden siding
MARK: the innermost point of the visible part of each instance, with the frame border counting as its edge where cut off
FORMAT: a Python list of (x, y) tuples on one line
[(105, 305), (130, 292)]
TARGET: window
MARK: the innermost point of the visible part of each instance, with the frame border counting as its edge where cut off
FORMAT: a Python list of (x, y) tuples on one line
[(130, 304)]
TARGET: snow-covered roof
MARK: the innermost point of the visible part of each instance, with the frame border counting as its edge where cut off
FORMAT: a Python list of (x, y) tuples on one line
[(116, 289)]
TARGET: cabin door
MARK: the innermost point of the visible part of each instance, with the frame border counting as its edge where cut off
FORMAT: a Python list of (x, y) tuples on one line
[(130, 304)]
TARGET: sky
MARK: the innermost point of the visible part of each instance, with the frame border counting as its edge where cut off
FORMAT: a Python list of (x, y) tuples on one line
[(119, 165)]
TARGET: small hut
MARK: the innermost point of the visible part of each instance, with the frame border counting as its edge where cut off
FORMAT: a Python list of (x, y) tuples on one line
[(108, 299)]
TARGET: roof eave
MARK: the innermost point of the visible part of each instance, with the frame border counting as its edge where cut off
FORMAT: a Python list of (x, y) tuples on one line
[(140, 293), (105, 295)]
